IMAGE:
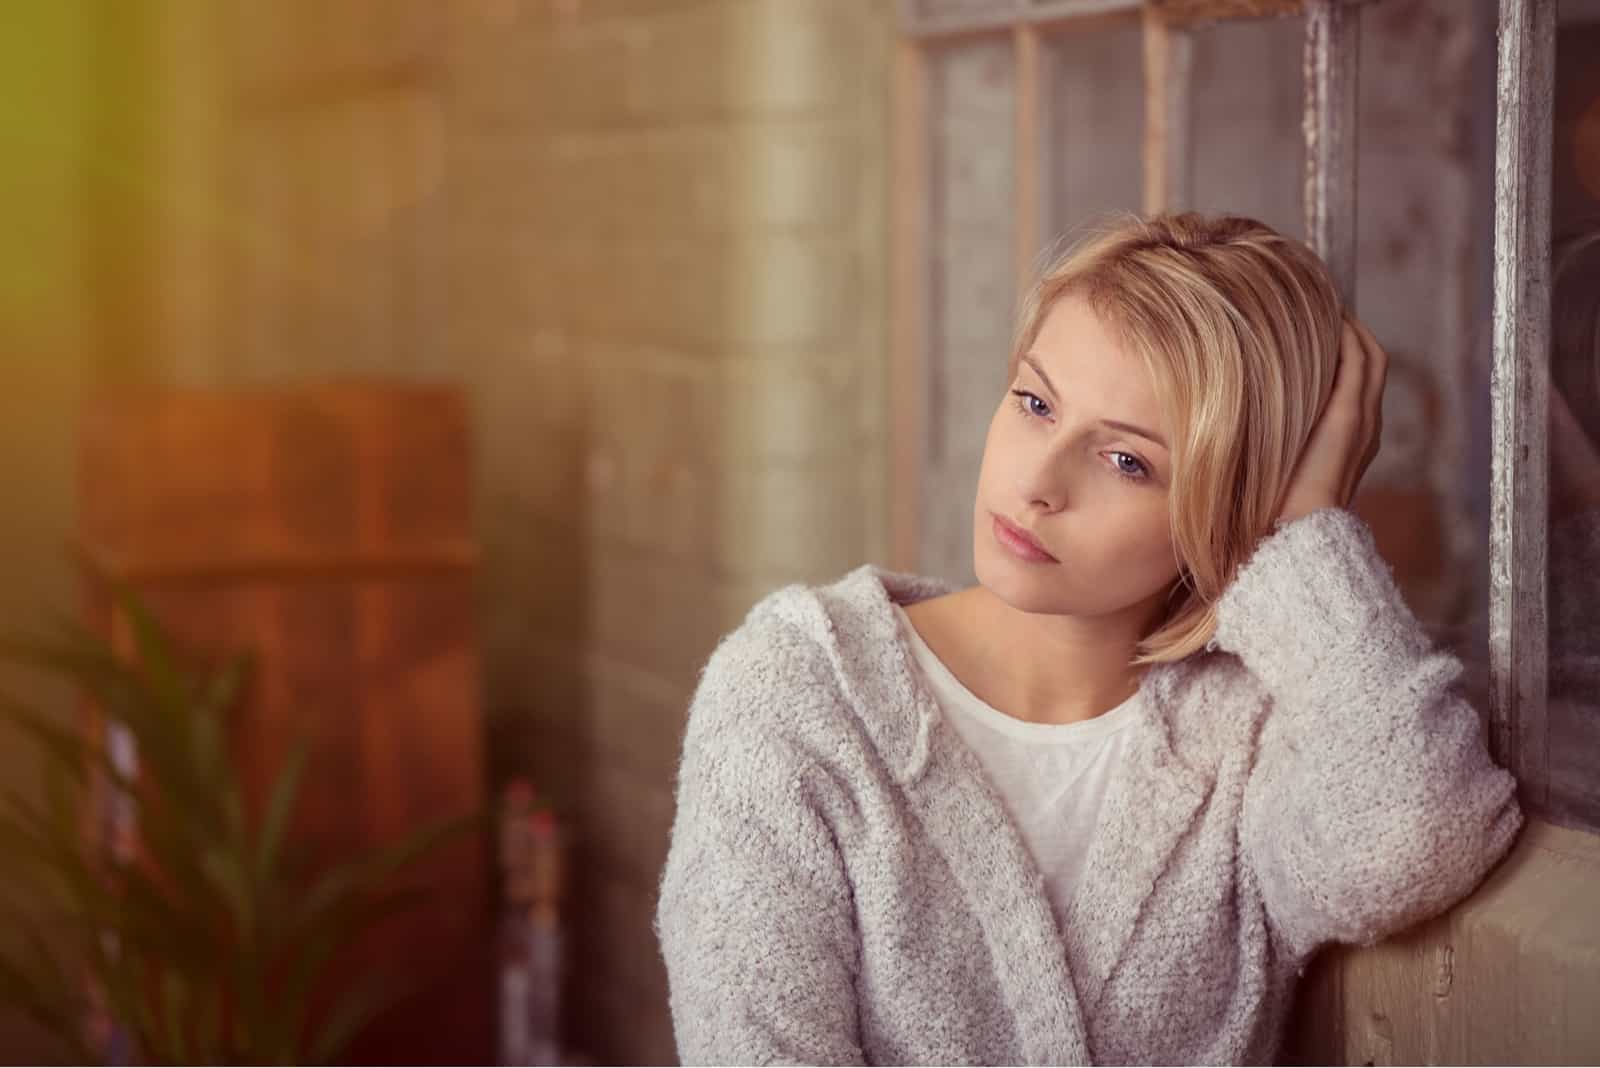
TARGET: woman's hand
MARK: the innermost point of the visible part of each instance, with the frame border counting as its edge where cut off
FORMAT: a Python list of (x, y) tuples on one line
[(1345, 438)]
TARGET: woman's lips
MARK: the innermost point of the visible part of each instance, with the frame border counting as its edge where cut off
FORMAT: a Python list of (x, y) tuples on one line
[(1020, 543)]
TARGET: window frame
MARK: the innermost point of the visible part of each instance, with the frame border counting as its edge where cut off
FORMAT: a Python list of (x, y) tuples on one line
[(1518, 635)]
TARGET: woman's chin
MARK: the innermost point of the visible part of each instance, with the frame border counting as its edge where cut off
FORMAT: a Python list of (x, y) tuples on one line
[(1023, 586)]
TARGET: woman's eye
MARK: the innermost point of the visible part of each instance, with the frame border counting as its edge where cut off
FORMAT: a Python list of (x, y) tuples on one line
[(1129, 466), (1029, 404)]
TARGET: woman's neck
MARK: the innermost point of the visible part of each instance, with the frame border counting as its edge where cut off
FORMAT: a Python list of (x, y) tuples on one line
[(1034, 667)]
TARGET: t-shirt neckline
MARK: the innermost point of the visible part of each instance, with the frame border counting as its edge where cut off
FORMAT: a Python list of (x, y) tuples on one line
[(1108, 722)]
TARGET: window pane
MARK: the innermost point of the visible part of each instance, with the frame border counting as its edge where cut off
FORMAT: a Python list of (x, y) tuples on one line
[(1249, 156), (1094, 116), (1419, 215), (971, 290), (1574, 432)]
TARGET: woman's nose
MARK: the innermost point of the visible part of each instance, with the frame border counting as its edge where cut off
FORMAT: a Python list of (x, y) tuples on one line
[(1042, 483)]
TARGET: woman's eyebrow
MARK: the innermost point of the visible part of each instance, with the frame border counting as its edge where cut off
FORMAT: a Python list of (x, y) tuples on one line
[(1033, 361), (1127, 428)]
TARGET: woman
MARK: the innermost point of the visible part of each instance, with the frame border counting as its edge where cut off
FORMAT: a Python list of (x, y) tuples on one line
[(1104, 805)]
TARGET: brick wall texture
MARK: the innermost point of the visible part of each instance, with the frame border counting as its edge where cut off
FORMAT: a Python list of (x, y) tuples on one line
[(667, 289)]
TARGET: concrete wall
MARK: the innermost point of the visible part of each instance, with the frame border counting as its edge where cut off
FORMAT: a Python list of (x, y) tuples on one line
[(667, 286), (646, 239)]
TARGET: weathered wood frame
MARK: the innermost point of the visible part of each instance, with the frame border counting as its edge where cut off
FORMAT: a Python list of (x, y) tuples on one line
[(1518, 385)]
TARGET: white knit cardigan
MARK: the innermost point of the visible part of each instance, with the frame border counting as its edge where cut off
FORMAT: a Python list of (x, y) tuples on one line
[(844, 885)]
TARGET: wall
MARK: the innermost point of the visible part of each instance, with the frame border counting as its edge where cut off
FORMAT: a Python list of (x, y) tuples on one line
[(667, 286), (645, 237)]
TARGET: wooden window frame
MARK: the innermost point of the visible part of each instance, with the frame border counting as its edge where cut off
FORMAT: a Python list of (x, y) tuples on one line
[(1519, 377), (1518, 544)]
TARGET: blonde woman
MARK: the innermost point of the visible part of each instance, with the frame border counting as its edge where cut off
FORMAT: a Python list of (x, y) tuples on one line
[(1104, 805)]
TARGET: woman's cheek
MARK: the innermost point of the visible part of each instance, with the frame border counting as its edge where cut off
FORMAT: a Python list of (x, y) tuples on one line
[(1147, 544)]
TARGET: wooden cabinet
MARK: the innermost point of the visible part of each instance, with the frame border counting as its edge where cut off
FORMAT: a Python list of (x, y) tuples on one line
[(329, 528)]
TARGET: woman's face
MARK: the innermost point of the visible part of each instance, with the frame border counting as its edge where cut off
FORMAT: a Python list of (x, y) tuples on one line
[(1076, 457)]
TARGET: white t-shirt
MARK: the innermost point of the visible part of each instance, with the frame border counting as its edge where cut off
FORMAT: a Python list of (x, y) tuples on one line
[(1051, 776)]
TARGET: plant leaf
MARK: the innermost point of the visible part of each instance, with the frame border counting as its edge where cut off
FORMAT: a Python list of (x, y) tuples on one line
[(36, 965), (123, 972), (67, 748), (26, 838), (306, 957), (175, 1001), (129, 901), (208, 1026), (77, 756), (219, 694), (227, 873), (60, 1021), (65, 744), (349, 899), (157, 654), (215, 698), (363, 874), (43, 963), (80, 656), (280, 806), (181, 753), (363, 1001), (147, 697)]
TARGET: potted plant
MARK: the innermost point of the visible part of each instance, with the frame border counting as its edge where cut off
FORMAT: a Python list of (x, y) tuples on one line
[(212, 942)]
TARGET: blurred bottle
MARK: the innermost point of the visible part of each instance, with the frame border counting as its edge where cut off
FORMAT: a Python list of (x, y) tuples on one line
[(530, 940), (545, 949)]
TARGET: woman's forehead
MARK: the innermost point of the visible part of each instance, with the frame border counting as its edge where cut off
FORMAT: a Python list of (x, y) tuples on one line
[(1085, 360)]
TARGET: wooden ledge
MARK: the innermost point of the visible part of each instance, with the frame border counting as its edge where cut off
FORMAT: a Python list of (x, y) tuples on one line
[(1508, 976)]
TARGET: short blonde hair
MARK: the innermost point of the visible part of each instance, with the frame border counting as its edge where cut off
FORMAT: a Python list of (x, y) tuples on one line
[(1240, 328)]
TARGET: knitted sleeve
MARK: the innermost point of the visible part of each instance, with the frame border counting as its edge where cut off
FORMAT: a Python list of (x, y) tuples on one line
[(1373, 803), (754, 918)]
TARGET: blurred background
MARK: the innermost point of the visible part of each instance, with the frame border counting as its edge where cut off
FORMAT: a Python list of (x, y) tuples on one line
[(481, 362)]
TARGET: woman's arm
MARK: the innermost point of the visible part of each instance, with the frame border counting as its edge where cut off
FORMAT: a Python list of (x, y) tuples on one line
[(755, 917), (1373, 803)]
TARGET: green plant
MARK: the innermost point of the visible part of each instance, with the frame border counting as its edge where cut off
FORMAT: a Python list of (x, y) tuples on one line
[(215, 944)]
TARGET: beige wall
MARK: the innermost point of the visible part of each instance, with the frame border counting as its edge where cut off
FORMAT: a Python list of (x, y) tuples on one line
[(667, 275)]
